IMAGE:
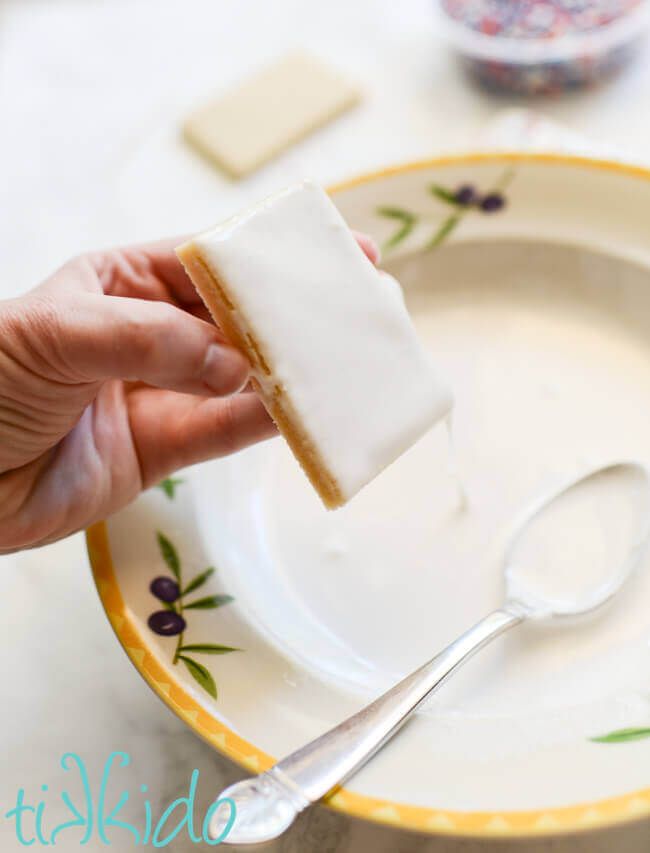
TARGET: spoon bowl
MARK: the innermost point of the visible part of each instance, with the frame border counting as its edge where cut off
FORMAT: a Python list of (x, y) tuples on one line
[(573, 549)]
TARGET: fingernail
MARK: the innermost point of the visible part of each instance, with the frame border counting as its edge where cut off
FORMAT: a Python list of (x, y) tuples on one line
[(225, 370)]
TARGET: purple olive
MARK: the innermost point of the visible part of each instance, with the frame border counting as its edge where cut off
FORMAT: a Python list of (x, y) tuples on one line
[(165, 589), (466, 195), (492, 202), (166, 623)]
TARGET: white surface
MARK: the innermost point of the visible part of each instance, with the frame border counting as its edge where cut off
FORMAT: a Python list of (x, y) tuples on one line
[(91, 93)]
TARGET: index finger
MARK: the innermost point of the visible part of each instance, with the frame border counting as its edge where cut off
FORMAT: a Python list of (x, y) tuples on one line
[(161, 257)]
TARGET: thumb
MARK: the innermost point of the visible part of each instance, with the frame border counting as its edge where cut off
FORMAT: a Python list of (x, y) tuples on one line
[(100, 337)]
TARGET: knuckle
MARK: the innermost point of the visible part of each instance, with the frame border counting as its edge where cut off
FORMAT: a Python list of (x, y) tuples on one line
[(34, 333), (145, 333), (137, 341)]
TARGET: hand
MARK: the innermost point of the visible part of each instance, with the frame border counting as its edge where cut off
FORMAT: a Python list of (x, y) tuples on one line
[(112, 376)]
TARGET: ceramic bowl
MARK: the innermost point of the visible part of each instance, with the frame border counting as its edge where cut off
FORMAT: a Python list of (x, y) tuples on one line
[(528, 277)]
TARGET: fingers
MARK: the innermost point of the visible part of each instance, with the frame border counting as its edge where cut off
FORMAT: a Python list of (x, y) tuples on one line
[(146, 339), (149, 271), (96, 337), (369, 246), (172, 431), (153, 271)]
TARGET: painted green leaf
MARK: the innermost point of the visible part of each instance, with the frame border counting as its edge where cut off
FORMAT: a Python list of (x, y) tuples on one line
[(200, 674), (444, 231), (209, 602), (198, 581), (168, 605), (168, 485), (396, 213), (622, 736), (443, 194), (169, 555), (208, 649), (399, 235), (407, 219)]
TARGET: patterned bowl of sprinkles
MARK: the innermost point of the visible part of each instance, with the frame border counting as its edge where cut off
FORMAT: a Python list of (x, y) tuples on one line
[(543, 47)]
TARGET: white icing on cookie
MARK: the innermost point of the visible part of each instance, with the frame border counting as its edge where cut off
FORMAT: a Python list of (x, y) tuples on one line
[(333, 331)]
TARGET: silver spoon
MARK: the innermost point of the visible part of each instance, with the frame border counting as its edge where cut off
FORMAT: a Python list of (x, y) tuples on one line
[(266, 805)]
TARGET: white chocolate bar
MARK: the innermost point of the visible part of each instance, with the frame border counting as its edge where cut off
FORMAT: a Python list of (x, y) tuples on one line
[(244, 128)]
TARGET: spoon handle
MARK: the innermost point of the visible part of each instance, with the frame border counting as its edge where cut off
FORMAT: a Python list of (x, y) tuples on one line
[(328, 760)]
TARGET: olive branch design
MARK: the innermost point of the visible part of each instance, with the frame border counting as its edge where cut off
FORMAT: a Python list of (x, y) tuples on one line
[(463, 200), (171, 621)]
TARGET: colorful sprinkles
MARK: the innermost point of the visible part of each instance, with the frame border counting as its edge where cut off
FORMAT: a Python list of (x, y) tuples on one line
[(537, 24), (537, 18)]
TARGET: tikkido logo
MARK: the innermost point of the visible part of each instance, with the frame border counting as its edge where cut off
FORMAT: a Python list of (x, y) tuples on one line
[(30, 822)]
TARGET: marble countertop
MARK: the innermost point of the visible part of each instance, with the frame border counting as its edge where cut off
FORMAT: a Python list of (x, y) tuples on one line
[(91, 95)]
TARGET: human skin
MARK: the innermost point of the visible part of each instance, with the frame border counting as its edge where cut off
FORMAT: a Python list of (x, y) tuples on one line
[(112, 377)]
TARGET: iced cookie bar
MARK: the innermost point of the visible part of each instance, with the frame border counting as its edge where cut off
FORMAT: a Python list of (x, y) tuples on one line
[(334, 354)]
